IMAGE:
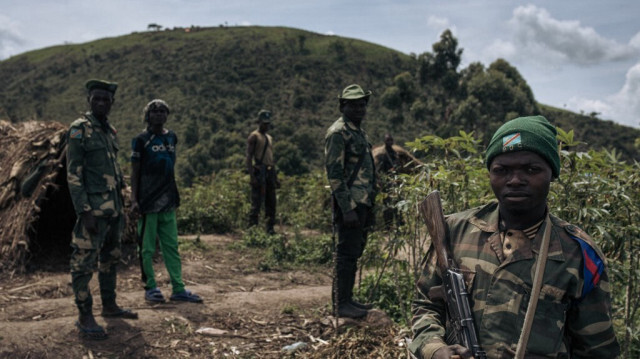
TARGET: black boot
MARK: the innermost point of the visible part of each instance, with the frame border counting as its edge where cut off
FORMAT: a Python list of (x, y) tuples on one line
[(348, 310), (352, 278), (346, 279), (365, 306)]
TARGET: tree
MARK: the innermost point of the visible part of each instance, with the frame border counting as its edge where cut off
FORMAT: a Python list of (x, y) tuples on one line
[(447, 54), (289, 158), (154, 26)]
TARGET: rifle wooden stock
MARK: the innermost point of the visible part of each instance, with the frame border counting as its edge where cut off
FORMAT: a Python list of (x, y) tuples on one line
[(433, 216), (453, 290)]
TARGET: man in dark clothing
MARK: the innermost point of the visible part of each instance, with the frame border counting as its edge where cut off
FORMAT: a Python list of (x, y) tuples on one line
[(387, 165), (262, 171)]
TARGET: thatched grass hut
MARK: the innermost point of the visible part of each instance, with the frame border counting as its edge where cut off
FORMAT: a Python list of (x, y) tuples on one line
[(407, 163), (36, 213)]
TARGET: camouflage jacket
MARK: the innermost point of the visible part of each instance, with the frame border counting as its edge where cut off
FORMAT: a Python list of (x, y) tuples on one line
[(94, 175), (573, 316), (345, 143)]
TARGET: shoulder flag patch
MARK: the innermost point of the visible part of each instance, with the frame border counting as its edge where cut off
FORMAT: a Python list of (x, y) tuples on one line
[(512, 139), (592, 268), (75, 133)]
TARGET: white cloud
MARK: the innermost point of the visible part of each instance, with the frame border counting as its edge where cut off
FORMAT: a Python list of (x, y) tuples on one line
[(10, 38), (626, 103), (438, 23), (623, 107), (587, 106), (635, 41), (499, 49), (538, 35)]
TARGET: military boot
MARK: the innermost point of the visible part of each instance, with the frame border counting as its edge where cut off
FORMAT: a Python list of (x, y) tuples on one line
[(348, 310), (365, 306), (345, 280)]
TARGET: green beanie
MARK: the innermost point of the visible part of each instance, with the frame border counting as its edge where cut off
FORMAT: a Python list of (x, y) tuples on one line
[(533, 133)]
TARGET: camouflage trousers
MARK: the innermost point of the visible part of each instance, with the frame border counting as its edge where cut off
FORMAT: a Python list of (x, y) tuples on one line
[(95, 251)]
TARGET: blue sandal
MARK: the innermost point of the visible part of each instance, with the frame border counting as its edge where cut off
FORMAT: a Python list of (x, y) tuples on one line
[(186, 296), (154, 295)]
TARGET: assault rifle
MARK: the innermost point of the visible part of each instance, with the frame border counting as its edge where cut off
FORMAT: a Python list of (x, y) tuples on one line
[(453, 289)]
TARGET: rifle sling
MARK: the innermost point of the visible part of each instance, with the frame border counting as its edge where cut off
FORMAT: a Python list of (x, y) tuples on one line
[(264, 149), (356, 169), (537, 285)]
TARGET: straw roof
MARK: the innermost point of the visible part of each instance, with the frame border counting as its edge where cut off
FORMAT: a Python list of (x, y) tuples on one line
[(31, 160), (407, 162), (36, 212)]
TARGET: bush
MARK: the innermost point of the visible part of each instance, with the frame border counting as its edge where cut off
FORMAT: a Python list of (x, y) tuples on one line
[(215, 204)]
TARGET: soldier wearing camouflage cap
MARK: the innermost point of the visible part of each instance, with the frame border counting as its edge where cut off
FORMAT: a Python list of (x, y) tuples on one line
[(95, 183), (262, 172), (497, 249), (351, 173)]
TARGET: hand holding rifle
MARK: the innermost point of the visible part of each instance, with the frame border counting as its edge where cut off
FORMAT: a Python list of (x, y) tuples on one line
[(453, 290)]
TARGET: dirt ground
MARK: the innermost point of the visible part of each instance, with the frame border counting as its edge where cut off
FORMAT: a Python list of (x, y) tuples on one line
[(250, 313)]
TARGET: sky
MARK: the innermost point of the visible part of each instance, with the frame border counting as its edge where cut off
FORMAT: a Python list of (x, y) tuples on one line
[(580, 55)]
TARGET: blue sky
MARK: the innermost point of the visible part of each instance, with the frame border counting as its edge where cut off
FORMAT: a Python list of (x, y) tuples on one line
[(579, 55)]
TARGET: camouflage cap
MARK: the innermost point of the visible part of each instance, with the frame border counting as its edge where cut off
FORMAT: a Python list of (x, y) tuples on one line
[(101, 85), (264, 116), (354, 92)]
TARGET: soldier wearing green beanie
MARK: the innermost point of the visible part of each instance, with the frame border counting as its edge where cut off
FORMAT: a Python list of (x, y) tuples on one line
[(499, 248)]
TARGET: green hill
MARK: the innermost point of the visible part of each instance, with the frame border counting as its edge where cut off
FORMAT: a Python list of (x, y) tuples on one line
[(216, 80)]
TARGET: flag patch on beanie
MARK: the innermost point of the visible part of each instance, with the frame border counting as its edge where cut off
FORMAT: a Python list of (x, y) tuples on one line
[(511, 140), (75, 133)]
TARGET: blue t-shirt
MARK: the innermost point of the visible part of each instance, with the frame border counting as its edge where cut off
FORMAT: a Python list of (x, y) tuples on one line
[(157, 190)]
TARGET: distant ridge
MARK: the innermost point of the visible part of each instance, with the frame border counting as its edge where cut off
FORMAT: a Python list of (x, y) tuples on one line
[(216, 79)]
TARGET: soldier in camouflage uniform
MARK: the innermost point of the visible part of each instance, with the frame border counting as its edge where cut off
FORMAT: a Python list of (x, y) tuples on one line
[(95, 183), (496, 248), (351, 174)]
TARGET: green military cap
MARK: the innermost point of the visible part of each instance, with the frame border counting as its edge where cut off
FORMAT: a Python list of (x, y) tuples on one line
[(530, 133), (264, 116), (101, 85), (354, 92)]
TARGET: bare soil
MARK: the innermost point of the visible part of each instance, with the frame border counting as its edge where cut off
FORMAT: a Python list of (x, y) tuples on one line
[(256, 314)]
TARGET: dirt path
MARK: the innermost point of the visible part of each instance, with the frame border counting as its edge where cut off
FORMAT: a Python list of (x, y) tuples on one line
[(259, 312)]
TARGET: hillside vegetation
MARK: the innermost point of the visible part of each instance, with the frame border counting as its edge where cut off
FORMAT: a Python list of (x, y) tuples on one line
[(216, 80)]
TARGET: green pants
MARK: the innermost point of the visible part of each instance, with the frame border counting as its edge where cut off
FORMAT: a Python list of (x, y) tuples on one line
[(95, 251), (164, 227)]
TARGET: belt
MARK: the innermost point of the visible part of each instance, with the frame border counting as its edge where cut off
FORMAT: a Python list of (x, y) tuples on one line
[(268, 168)]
